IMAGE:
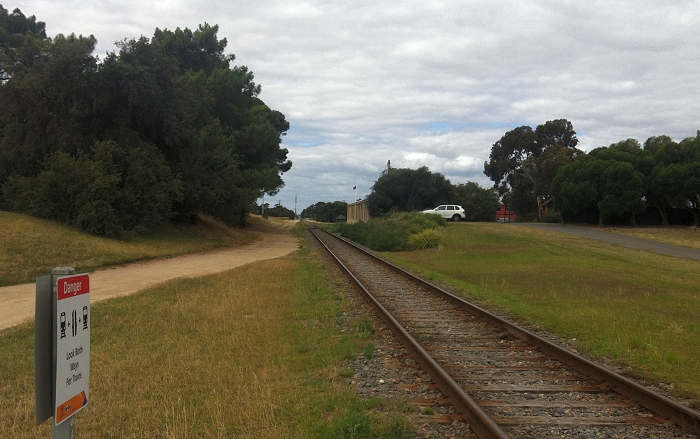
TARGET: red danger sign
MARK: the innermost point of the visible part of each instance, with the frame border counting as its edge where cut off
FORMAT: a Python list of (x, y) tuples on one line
[(73, 286)]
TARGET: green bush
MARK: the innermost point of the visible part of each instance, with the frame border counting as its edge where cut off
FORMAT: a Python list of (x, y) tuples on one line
[(553, 216), (393, 233), (387, 236), (101, 191), (428, 238), (420, 221), (357, 232)]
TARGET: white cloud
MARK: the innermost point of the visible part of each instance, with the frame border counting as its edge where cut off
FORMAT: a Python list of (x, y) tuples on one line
[(431, 83)]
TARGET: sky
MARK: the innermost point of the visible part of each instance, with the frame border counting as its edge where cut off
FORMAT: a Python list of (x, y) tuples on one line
[(430, 83)]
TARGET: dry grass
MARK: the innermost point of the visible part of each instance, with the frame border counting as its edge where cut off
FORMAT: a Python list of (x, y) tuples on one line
[(250, 353), (31, 247), (210, 372)]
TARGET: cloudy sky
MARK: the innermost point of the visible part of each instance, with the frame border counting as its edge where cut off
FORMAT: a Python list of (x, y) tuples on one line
[(430, 83)]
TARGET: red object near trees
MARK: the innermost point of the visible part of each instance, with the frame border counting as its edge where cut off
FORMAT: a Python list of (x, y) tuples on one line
[(505, 215)]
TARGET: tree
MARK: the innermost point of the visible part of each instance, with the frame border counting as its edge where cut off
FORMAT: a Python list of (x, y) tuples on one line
[(556, 132), (675, 178), (479, 204), (679, 185), (654, 143), (199, 50), (212, 178), (22, 41), (691, 191), (178, 91), (670, 174), (524, 162), (509, 153), (280, 212), (172, 102), (628, 150), (612, 188), (687, 196), (101, 191), (621, 191), (45, 108), (406, 190), (657, 154), (325, 212)]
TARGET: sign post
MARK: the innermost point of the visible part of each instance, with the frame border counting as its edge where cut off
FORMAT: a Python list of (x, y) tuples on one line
[(62, 377)]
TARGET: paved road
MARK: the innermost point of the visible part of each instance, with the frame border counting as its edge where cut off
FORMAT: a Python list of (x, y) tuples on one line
[(625, 241)]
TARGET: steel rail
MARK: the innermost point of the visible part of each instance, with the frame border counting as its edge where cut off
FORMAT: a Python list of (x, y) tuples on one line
[(480, 422), (657, 403)]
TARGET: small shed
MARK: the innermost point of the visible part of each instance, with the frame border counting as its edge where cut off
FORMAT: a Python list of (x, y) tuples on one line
[(504, 214), (340, 219), (358, 211)]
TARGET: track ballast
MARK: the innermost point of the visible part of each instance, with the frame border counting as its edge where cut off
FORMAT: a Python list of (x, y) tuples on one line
[(503, 380)]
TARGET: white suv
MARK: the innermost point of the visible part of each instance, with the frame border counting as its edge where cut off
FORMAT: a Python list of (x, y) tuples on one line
[(448, 211)]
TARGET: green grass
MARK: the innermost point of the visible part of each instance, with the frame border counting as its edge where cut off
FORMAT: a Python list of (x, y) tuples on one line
[(31, 247), (635, 307), (254, 352)]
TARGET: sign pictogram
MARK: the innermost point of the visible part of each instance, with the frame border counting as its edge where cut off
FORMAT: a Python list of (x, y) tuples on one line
[(72, 345)]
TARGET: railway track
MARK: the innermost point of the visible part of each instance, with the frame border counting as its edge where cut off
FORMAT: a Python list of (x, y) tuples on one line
[(505, 381)]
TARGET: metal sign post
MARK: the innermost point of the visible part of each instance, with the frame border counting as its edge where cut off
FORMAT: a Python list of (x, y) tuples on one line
[(62, 348)]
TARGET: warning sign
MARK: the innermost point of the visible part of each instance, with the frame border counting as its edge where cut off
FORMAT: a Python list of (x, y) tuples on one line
[(72, 345)]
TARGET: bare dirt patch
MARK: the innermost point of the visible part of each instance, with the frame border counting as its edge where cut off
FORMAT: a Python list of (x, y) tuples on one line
[(18, 301)]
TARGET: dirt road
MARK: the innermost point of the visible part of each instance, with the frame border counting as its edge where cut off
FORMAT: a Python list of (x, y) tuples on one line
[(18, 300)]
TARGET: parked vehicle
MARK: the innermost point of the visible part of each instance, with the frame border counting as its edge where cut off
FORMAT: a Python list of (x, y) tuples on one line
[(448, 211)]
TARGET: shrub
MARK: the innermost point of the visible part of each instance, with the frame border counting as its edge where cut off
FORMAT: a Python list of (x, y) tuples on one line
[(428, 238), (387, 236), (107, 191), (393, 233), (357, 232), (553, 216)]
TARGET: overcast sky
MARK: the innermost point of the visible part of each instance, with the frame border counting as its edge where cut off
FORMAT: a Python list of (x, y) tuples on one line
[(430, 83)]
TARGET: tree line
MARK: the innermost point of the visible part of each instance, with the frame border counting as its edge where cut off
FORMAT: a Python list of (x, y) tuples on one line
[(540, 171), (325, 212), (407, 190), (535, 170), (163, 128)]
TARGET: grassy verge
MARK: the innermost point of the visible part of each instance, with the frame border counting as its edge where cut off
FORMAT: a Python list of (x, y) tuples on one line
[(31, 247), (255, 352), (637, 308)]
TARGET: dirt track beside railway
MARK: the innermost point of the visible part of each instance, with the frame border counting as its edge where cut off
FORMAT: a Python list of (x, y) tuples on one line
[(18, 301)]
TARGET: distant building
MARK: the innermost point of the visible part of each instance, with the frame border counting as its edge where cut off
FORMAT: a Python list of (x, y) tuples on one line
[(358, 211), (505, 215)]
